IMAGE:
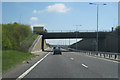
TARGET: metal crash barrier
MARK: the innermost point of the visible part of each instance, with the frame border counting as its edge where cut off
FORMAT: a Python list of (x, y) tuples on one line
[(109, 55)]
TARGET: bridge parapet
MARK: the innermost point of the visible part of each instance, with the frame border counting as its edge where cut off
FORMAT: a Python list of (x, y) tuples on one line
[(54, 31), (61, 35)]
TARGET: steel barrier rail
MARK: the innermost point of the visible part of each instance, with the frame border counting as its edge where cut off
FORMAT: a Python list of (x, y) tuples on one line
[(110, 55), (76, 31), (71, 31)]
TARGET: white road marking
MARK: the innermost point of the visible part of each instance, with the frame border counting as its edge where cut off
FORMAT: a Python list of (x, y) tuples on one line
[(72, 58), (26, 72), (84, 66), (99, 58), (103, 59)]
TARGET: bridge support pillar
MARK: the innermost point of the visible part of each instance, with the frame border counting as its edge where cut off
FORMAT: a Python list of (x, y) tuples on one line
[(42, 43)]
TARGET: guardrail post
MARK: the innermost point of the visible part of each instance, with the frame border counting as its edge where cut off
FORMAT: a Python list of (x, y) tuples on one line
[(109, 55), (118, 56), (97, 53), (104, 55), (115, 56)]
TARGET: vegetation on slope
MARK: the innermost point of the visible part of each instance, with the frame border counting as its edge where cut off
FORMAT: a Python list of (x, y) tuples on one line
[(13, 53), (12, 58), (118, 29), (13, 34)]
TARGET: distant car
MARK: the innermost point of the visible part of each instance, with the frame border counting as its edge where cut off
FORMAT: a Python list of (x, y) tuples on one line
[(56, 50)]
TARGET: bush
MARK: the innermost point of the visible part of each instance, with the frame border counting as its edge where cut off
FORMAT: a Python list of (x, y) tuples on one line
[(48, 45), (13, 34), (117, 30)]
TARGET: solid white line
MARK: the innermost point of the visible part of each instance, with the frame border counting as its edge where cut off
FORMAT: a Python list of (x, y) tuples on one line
[(84, 65), (100, 58), (103, 59), (26, 72)]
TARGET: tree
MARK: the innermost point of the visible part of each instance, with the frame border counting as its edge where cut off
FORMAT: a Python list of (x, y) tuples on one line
[(118, 30), (13, 34)]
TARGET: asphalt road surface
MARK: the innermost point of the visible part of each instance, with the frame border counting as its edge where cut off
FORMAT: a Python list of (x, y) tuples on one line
[(74, 65)]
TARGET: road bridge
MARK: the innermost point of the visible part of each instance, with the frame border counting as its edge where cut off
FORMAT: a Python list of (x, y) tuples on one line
[(65, 35), (68, 35)]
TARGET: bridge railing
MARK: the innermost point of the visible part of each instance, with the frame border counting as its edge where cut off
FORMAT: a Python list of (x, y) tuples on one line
[(109, 55), (71, 30)]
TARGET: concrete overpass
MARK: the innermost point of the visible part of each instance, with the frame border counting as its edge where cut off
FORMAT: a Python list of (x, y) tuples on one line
[(67, 35)]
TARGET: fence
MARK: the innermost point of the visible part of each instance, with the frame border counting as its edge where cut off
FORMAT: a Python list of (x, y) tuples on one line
[(109, 55), (71, 31)]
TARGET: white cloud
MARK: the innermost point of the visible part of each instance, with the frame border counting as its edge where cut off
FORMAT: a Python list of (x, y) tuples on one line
[(34, 11), (38, 11), (33, 18), (61, 8)]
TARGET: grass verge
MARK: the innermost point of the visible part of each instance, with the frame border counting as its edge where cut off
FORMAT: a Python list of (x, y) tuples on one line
[(12, 58)]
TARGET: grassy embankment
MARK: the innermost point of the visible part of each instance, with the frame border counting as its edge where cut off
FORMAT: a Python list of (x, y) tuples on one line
[(13, 58), (12, 53)]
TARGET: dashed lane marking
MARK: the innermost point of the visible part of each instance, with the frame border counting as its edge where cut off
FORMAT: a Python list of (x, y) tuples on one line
[(72, 58), (84, 65)]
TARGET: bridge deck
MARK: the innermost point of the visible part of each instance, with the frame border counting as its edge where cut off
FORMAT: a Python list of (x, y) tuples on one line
[(61, 35)]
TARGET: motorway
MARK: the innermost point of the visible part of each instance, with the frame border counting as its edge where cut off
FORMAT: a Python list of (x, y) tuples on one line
[(74, 65)]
